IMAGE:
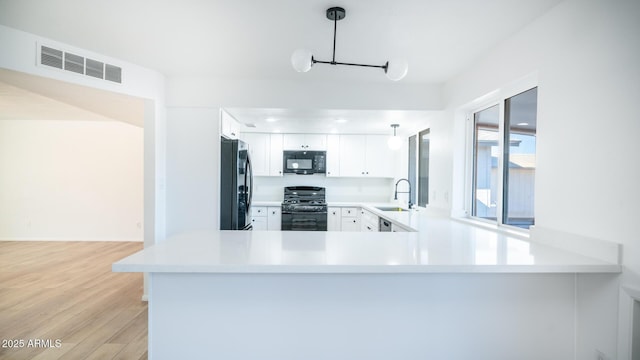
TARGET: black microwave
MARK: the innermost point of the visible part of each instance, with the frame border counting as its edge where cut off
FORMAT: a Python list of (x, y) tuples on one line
[(304, 162)]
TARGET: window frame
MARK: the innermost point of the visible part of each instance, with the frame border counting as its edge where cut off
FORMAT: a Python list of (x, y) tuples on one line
[(497, 97)]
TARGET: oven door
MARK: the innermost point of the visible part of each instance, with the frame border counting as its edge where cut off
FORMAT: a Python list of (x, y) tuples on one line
[(304, 221)]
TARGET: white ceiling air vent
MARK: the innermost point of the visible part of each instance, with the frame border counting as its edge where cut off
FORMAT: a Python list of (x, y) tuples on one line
[(95, 69), (73, 63), (78, 64), (113, 73), (51, 57)]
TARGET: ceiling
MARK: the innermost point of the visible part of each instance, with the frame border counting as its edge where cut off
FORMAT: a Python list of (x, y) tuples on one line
[(332, 121), (250, 39), (255, 39)]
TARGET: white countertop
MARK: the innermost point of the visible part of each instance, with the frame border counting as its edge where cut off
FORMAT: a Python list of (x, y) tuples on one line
[(440, 245)]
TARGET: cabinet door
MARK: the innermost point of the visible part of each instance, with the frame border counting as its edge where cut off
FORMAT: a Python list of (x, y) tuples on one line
[(274, 218), (380, 160), (259, 222), (305, 141), (315, 141), (333, 155), (396, 228), (350, 224), (259, 145), (229, 127), (352, 155), (293, 142), (368, 221), (334, 219), (275, 161)]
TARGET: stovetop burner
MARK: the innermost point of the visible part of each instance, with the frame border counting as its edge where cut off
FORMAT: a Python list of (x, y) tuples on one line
[(304, 198), (303, 202)]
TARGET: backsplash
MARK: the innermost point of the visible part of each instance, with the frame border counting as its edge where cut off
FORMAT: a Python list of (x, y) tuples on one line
[(338, 189)]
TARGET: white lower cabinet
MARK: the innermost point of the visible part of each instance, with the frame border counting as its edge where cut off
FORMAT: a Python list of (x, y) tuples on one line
[(396, 228), (368, 221), (266, 218), (334, 219), (274, 218), (350, 224), (350, 219)]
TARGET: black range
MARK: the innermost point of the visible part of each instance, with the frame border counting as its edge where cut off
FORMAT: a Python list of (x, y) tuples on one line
[(304, 208)]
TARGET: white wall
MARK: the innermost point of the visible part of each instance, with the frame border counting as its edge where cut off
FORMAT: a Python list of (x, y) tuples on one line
[(70, 180), (586, 55), (193, 163), (203, 91), (20, 55)]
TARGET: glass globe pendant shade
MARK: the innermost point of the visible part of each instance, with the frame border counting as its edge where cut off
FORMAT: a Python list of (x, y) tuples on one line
[(394, 143), (397, 69), (301, 60)]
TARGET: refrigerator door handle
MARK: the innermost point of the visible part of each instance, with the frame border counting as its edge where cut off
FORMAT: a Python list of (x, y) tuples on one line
[(248, 190)]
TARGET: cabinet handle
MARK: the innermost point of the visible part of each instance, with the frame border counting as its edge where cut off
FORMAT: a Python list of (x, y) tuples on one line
[(354, 220), (233, 134)]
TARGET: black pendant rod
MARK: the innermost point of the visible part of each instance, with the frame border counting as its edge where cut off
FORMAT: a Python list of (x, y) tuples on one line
[(385, 66), (335, 31), (335, 14)]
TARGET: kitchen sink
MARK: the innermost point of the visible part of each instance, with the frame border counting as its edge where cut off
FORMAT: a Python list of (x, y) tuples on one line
[(391, 208)]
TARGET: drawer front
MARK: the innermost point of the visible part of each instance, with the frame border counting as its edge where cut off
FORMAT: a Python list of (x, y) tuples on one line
[(349, 211), (368, 217), (259, 211)]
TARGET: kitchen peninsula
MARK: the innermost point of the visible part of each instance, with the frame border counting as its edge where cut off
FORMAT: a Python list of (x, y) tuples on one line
[(356, 295)]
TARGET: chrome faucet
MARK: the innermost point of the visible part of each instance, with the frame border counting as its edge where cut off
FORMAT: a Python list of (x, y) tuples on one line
[(395, 196)]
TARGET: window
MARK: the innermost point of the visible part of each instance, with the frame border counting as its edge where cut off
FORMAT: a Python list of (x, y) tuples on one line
[(504, 160), (413, 166), (419, 167), (423, 167), (520, 113), (485, 162)]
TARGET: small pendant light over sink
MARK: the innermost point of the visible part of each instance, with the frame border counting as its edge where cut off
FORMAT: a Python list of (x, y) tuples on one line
[(394, 142), (302, 59)]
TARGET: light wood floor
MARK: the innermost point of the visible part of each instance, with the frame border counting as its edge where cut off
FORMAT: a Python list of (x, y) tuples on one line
[(66, 291)]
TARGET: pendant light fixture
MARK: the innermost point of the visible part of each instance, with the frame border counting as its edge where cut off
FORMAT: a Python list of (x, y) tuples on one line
[(302, 59), (394, 142)]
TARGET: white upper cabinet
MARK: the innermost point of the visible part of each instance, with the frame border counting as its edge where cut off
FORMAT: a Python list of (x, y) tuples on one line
[(347, 155), (333, 155), (229, 127), (275, 155), (259, 151), (305, 142), (266, 153), (380, 160), (365, 156), (352, 155)]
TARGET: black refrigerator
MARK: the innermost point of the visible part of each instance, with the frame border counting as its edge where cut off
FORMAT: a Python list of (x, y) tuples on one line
[(236, 185)]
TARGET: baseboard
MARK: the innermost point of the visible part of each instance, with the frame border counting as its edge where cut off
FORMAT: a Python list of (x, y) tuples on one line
[(583, 245), (71, 239)]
